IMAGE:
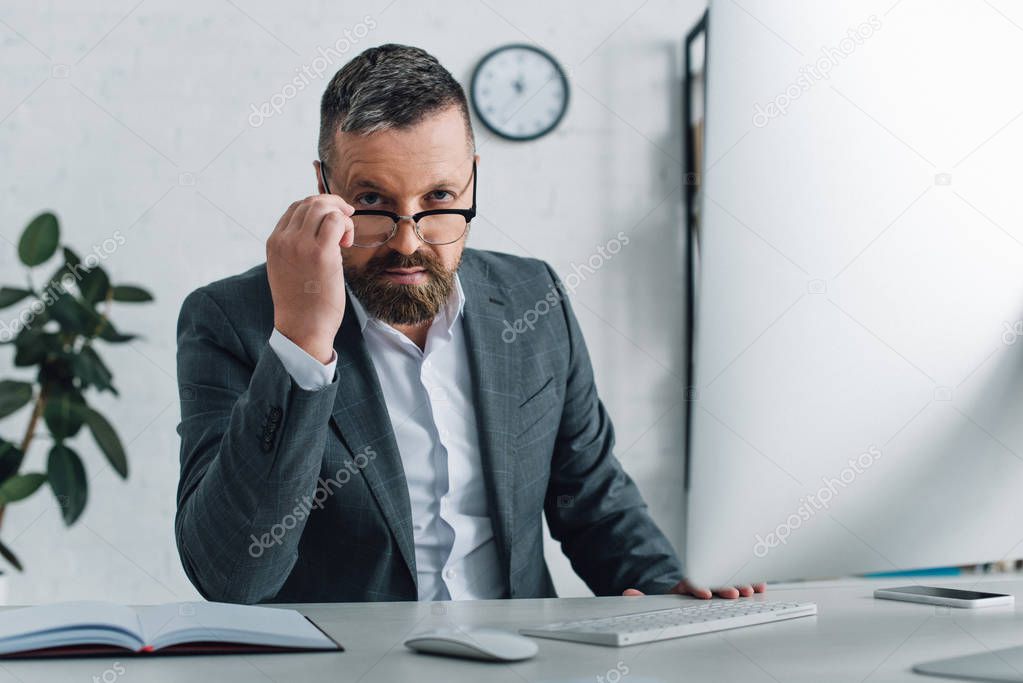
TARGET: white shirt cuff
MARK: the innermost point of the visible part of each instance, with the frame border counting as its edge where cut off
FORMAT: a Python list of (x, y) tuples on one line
[(308, 373)]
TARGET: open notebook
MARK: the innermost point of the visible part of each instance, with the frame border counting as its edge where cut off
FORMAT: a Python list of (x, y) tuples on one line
[(83, 628)]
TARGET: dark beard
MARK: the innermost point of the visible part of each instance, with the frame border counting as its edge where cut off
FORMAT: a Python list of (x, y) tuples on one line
[(401, 304)]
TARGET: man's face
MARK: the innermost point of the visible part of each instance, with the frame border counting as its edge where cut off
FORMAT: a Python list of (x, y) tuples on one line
[(427, 166)]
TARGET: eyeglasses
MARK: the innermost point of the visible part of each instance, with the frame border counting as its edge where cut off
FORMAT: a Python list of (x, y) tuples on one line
[(435, 226)]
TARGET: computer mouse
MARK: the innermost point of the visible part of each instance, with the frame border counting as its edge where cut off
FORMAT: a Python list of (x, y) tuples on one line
[(478, 643)]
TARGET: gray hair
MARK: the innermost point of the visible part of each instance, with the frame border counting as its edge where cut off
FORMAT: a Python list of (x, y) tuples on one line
[(390, 86)]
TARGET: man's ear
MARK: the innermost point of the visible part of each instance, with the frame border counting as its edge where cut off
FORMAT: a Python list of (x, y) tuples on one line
[(319, 177)]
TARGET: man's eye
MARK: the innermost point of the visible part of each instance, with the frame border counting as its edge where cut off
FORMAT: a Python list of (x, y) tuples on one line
[(440, 195), (369, 199)]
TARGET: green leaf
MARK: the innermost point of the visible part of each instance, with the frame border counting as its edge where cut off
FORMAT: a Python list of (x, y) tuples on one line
[(13, 395), (92, 371), (27, 350), (64, 413), (131, 294), (71, 258), (66, 473), (106, 439), (56, 374), (108, 333), (10, 459), (32, 346), (67, 274), (20, 486), (12, 295), (74, 316), (39, 241), (10, 557), (94, 285)]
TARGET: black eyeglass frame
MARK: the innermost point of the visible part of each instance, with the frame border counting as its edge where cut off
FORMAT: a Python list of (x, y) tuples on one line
[(467, 214)]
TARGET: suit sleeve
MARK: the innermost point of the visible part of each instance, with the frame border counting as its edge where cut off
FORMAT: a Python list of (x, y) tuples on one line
[(252, 443), (593, 507)]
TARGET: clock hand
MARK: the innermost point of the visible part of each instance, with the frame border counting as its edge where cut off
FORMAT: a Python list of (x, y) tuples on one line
[(518, 84), (520, 87)]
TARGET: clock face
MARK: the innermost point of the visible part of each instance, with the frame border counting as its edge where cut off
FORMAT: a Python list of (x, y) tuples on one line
[(519, 92)]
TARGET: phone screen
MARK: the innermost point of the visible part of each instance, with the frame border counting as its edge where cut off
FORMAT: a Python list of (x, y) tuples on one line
[(946, 593)]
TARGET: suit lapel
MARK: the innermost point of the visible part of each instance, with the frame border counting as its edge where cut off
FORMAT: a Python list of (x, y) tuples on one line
[(361, 417), (495, 370)]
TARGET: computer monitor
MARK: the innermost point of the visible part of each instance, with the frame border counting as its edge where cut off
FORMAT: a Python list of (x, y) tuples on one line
[(857, 388)]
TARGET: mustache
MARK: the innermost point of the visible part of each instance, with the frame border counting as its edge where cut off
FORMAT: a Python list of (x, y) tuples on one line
[(377, 265)]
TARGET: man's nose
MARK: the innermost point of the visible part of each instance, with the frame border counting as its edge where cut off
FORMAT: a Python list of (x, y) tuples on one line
[(405, 241)]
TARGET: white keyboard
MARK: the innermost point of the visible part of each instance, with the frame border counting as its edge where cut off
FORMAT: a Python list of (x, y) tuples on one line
[(675, 622)]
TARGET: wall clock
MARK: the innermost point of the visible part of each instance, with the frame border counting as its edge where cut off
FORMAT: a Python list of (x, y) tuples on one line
[(519, 92)]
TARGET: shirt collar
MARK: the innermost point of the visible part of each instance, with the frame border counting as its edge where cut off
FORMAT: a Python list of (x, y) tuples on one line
[(451, 311)]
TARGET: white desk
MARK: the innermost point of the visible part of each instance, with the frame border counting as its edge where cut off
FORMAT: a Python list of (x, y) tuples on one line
[(853, 638)]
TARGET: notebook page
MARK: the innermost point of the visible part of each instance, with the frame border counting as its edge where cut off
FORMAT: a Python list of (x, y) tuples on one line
[(191, 622), (59, 624)]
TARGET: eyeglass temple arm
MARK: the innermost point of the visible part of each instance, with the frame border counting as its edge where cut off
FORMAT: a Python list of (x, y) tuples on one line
[(475, 179), (323, 177)]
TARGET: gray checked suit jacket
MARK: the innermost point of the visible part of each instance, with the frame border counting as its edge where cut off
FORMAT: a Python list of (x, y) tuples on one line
[(256, 449)]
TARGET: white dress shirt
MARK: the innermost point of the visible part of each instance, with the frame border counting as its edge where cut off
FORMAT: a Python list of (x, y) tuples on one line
[(429, 399)]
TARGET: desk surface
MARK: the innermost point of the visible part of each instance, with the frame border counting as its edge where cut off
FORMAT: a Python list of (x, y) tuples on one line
[(853, 638)]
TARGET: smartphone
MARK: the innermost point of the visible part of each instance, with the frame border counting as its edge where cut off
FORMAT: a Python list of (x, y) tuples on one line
[(951, 597)]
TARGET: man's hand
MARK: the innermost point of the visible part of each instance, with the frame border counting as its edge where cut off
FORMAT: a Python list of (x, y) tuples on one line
[(730, 592), (303, 264)]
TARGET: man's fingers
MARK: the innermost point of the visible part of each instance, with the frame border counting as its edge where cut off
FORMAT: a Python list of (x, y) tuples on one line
[(348, 236), (346, 208), (728, 592), (297, 219), (696, 591), (334, 200), (282, 224), (685, 588), (632, 592), (333, 227), (319, 209)]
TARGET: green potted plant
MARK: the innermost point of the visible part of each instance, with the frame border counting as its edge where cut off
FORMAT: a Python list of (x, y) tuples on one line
[(55, 332)]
